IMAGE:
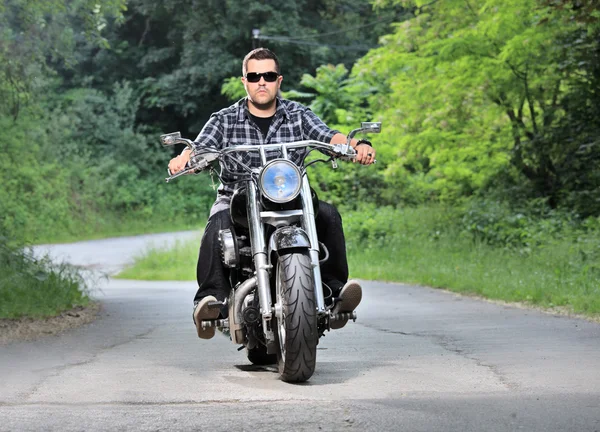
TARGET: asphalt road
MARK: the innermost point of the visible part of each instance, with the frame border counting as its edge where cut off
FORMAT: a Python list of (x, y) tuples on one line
[(417, 359)]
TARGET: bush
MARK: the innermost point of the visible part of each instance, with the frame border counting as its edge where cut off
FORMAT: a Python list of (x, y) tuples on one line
[(36, 287), (521, 226), (374, 227), (429, 246)]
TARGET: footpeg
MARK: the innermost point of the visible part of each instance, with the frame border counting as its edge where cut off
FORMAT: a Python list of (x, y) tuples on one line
[(222, 323), (216, 304), (342, 316)]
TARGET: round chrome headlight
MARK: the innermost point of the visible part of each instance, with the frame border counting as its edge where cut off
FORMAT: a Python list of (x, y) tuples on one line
[(280, 181)]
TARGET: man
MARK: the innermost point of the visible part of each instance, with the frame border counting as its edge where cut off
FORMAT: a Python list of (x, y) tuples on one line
[(262, 118)]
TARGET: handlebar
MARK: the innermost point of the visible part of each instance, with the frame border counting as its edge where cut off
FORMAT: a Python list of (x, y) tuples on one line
[(340, 151), (337, 151)]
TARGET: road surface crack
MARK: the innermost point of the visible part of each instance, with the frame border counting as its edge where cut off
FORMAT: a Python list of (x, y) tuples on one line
[(451, 345), (57, 370)]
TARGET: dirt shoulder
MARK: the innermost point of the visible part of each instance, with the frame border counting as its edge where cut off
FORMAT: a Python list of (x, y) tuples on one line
[(28, 329)]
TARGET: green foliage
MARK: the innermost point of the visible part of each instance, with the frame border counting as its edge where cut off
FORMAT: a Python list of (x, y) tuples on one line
[(330, 95), (35, 188), (426, 245), (476, 89), (488, 99), (233, 89), (177, 263), (35, 287), (38, 34), (178, 53), (573, 141), (349, 186), (587, 12), (518, 228), (85, 165)]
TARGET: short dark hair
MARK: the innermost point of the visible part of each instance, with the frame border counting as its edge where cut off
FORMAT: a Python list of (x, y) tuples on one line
[(260, 54)]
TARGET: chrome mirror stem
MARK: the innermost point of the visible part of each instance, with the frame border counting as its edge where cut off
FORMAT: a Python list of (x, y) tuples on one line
[(365, 127)]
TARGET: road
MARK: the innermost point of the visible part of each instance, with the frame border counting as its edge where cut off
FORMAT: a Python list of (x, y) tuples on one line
[(417, 359)]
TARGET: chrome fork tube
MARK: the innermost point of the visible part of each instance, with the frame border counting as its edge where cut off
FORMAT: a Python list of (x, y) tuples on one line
[(259, 252), (310, 226)]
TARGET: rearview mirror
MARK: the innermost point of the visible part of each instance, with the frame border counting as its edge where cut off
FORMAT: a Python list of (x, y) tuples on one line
[(366, 127), (170, 138), (371, 127)]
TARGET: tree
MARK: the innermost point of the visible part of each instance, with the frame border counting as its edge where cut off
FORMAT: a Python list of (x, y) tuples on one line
[(36, 35), (577, 171), (178, 53), (476, 87), (329, 85)]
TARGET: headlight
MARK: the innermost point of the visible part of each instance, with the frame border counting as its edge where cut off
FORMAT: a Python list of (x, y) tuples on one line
[(280, 181)]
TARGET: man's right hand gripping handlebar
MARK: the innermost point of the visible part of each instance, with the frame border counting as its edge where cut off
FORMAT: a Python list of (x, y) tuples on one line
[(179, 163)]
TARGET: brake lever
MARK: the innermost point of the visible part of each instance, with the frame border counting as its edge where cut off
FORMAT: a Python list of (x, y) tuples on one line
[(199, 166), (349, 155), (342, 152), (179, 174)]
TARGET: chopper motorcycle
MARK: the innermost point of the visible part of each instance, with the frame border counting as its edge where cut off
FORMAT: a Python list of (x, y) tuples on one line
[(276, 308)]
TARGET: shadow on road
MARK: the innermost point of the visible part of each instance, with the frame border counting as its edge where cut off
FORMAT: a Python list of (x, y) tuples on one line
[(326, 373)]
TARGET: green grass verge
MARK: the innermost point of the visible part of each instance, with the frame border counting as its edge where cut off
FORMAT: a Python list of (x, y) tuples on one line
[(178, 263), (420, 246), (547, 277), (36, 288), (426, 246)]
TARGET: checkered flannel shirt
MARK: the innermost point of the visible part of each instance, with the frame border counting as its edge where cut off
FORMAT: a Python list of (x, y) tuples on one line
[(233, 126)]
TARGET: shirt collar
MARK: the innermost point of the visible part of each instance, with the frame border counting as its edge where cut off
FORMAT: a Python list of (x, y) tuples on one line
[(244, 113)]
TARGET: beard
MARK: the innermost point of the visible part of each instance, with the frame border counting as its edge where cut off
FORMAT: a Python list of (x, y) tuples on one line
[(263, 103)]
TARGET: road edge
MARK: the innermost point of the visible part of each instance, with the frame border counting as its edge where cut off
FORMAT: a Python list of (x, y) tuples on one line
[(31, 329)]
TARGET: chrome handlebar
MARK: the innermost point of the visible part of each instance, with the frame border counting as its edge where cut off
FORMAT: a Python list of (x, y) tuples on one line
[(200, 162), (339, 151)]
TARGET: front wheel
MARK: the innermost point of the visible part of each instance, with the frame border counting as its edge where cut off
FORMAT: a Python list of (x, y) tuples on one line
[(296, 331)]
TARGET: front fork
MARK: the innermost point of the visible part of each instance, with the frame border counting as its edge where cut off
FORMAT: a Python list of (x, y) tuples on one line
[(261, 263), (261, 260), (310, 227)]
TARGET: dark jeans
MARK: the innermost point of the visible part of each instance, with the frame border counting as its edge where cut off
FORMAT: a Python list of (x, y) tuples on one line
[(213, 277)]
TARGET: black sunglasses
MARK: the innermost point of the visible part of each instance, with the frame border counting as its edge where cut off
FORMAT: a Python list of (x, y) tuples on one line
[(254, 77)]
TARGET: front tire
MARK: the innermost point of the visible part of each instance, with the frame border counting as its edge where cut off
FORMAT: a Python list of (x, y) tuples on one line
[(297, 330)]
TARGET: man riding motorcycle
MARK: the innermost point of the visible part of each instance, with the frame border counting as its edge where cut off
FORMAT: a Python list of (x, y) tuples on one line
[(262, 118)]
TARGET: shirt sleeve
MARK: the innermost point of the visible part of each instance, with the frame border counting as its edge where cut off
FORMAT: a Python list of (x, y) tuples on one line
[(211, 134), (314, 128)]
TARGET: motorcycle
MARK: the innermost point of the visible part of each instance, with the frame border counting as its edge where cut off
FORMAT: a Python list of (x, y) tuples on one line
[(276, 308)]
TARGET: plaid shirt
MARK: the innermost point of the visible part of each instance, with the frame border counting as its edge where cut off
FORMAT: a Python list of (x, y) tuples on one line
[(233, 126)]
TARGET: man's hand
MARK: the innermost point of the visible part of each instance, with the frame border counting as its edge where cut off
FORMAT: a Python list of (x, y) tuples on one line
[(178, 163), (365, 154)]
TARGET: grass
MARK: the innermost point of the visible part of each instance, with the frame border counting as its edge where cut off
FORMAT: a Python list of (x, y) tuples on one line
[(36, 288), (178, 263), (424, 247), (421, 246), (547, 277)]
